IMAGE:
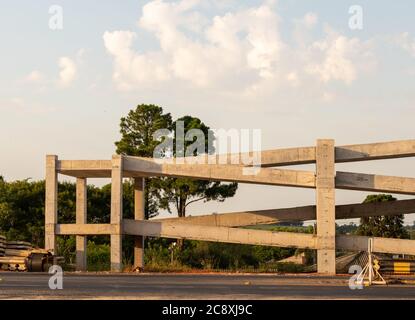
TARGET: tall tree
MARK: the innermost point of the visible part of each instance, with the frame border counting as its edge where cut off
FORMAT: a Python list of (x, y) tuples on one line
[(181, 192), (137, 130), (382, 226), (137, 139)]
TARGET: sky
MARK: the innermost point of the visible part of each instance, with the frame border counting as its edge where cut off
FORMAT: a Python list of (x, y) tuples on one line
[(297, 70)]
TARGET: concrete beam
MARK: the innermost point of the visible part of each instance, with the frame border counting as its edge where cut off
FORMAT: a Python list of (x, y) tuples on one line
[(325, 207), (116, 212), (376, 151), (87, 229), (219, 234), (233, 173), (381, 245), (269, 158), (51, 202), (376, 183), (249, 218), (85, 168), (81, 218), (139, 214)]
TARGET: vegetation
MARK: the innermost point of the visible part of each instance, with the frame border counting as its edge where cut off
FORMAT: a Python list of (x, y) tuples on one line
[(382, 226), (22, 218)]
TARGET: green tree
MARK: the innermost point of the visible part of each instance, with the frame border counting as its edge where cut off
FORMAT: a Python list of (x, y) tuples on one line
[(137, 130), (382, 226), (137, 139), (181, 192)]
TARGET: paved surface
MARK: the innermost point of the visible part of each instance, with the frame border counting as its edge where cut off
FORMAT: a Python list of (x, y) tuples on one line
[(192, 286)]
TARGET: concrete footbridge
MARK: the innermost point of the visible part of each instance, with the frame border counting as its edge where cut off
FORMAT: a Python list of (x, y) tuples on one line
[(226, 227)]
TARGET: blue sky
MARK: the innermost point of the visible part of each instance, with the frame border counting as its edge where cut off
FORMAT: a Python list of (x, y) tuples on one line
[(293, 69)]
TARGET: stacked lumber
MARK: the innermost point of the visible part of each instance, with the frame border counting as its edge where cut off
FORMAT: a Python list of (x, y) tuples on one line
[(2, 245), (13, 254)]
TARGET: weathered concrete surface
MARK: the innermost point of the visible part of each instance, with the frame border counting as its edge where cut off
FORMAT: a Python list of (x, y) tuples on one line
[(325, 207), (381, 245), (234, 173), (219, 234), (376, 151), (88, 229), (268, 216), (269, 158), (376, 183), (81, 218), (51, 202), (139, 214), (116, 212)]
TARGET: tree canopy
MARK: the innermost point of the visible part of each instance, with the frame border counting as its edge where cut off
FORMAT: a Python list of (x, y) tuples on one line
[(137, 139), (382, 226)]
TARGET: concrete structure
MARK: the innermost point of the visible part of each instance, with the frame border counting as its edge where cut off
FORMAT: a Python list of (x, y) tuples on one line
[(224, 227)]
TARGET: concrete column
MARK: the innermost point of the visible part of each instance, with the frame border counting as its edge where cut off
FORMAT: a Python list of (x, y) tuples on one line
[(325, 203), (81, 214), (116, 213), (139, 214), (51, 202)]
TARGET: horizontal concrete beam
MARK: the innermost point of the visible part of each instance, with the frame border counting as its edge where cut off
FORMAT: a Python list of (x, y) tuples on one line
[(85, 168), (219, 234), (375, 183), (293, 178), (381, 245), (248, 218), (347, 153), (376, 151), (307, 155), (87, 229)]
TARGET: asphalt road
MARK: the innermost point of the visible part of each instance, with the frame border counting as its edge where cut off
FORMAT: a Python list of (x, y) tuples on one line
[(15, 285)]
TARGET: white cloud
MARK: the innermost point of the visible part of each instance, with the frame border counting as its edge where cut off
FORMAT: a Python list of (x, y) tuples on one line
[(406, 43), (337, 57), (68, 70), (239, 51), (34, 77)]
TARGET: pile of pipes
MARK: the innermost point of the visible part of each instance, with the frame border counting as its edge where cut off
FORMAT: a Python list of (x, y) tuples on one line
[(13, 254)]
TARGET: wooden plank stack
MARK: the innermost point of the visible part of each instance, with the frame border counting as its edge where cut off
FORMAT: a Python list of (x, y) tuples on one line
[(13, 254), (2, 245)]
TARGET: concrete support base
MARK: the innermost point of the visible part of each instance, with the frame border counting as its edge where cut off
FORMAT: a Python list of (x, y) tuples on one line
[(51, 202), (139, 214), (116, 253), (81, 218), (325, 207), (81, 244), (116, 213)]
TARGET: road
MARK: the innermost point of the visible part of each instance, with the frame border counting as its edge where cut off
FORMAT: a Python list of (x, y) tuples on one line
[(15, 285)]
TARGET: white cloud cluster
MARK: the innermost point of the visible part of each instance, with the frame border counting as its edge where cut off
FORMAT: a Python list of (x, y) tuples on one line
[(337, 57), (406, 43), (68, 70), (239, 50), (34, 77)]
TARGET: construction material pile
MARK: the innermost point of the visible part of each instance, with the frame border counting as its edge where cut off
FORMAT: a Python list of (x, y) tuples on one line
[(21, 256)]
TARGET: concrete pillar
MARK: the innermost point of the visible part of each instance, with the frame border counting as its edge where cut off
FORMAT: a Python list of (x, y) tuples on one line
[(325, 203), (116, 213), (51, 202), (139, 214), (81, 214)]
